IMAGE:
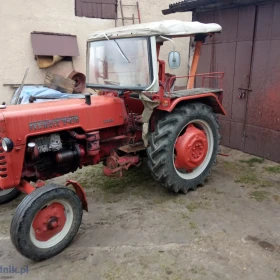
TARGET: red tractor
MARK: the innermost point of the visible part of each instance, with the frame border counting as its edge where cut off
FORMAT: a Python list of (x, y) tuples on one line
[(139, 111)]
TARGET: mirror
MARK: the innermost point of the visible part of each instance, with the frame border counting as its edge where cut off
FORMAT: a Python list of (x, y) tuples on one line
[(174, 60)]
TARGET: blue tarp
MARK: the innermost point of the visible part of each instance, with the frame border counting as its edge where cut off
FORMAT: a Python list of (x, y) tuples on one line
[(42, 92)]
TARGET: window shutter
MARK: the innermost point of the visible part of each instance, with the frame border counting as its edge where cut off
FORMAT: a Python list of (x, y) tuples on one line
[(105, 9)]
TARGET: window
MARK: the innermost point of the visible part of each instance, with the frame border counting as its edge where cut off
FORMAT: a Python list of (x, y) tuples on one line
[(106, 9), (120, 63)]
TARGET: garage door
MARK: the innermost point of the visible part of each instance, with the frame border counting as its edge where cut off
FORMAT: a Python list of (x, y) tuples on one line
[(248, 51)]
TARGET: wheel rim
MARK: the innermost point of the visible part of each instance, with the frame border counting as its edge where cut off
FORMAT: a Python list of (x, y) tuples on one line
[(51, 224), (5, 192), (193, 168)]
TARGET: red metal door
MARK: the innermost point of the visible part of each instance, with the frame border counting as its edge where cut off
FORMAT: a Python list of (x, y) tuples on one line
[(231, 52), (246, 51), (262, 130)]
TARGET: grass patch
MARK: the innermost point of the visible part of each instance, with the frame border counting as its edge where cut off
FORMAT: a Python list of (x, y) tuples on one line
[(248, 178), (198, 270), (259, 195), (215, 191), (196, 205), (185, 216), (193, 206), (252, 161), (193, 225), (273, 169)]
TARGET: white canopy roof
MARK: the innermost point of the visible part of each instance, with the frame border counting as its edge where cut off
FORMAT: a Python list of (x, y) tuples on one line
[(165, 28)]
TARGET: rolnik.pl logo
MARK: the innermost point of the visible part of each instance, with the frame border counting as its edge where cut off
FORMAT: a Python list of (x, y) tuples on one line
[(9, 271)]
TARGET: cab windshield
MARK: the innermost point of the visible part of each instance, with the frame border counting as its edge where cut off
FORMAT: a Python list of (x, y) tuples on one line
[(119, 63)]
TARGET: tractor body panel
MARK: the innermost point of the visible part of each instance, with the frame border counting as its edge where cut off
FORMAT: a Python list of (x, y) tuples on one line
[(32, 121), (49, 117)]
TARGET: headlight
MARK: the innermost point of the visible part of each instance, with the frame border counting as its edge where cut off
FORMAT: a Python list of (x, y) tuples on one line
[(7, 144)]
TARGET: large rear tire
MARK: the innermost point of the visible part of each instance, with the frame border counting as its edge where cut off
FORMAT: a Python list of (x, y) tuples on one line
[(8, 195), (46, 221), (162, 153)]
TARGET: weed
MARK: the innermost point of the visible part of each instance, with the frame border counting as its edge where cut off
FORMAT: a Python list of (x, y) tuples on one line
[(198, 270), (259, 195), (185, 216), (252, 161), (195, 205), (248, 178), (273, 169), (192, 225)]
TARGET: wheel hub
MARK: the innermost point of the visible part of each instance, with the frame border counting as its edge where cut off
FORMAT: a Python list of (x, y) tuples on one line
[(49, 221), (191, 148)]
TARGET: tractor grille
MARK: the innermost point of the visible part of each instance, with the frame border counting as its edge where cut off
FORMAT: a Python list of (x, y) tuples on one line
[(3, 163)]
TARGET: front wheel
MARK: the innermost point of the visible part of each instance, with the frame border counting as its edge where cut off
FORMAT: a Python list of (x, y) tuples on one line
[(184, 147), (45, 222), (8, 195)]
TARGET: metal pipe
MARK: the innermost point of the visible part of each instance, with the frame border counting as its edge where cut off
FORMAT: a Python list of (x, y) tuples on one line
[(76, 135)]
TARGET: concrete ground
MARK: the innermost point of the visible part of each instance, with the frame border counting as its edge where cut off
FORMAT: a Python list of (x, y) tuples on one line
[(228, 229)]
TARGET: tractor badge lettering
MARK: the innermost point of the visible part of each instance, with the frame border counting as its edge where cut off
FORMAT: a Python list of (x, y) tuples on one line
[(53, 123), (108, 121)]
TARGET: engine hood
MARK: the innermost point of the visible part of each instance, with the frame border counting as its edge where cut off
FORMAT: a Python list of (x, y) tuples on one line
[(22, 121)]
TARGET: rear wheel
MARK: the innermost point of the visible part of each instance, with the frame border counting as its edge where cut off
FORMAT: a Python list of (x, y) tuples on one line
[(8, 195), (45, 222), (184, 146)]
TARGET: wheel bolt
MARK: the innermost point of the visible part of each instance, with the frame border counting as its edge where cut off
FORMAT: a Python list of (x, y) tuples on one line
[(54, 224)]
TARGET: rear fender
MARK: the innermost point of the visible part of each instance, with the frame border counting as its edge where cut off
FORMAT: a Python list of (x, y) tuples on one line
[(209, 99)]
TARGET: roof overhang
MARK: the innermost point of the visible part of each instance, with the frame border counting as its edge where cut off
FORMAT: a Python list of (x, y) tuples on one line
[(170, 28), (208, 5)]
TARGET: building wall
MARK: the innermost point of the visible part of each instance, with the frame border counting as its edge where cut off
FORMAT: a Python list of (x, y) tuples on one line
[(20, 17)]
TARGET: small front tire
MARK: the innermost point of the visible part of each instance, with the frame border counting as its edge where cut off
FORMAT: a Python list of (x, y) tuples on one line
[(8, 195), (45, 222)]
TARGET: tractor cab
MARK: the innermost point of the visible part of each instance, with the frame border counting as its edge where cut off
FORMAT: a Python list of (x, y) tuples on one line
[(127, 59)]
